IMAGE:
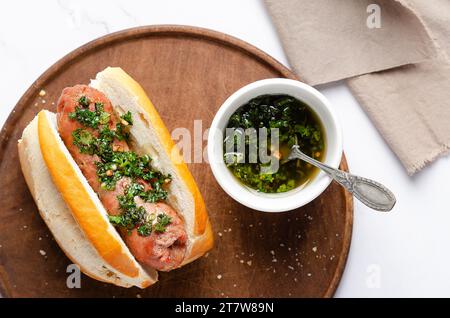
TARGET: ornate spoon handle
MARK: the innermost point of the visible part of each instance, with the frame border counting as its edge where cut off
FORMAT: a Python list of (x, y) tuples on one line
[(371, 193)]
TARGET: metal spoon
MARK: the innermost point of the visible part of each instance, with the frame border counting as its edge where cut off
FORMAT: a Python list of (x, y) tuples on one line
[(371, 193)]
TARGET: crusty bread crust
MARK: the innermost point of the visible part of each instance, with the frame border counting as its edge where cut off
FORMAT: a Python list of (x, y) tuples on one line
[(56, 213), (72, 210), (150, 136)]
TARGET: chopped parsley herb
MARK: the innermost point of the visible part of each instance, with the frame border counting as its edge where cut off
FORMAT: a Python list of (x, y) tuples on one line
[(84, 101), (133, 216), (163, 221), (296, 124), (115, 164), (129, 164), (127, 117), (89, 118), (121, 133), (145, 229), (84, 140)]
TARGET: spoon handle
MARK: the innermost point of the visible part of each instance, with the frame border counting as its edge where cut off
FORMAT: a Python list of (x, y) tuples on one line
[(371, 193)]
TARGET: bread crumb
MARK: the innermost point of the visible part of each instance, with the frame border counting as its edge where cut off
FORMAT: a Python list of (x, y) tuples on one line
[(219, 276), (42, 252)]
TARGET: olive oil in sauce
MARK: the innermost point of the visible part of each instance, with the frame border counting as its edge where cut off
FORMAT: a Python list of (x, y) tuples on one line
[(295, 123)]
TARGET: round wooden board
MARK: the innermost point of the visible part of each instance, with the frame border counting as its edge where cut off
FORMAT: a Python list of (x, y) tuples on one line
[(187, 72)]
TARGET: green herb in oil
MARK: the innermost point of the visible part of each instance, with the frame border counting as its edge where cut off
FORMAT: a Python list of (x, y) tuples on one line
[(296, 124)]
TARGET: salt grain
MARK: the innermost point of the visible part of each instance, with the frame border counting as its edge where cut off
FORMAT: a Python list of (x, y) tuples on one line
[(219, 276), (42, 93), (42, 252), (314, 249), (249, 263)]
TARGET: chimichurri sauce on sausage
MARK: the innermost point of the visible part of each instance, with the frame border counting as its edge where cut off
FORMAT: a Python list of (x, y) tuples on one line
[(296, 123)]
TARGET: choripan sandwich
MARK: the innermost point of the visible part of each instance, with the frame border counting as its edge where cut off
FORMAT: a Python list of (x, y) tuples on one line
[(110, 185)]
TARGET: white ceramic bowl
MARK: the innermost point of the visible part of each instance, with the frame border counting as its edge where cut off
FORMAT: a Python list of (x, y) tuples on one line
[(275, 202)]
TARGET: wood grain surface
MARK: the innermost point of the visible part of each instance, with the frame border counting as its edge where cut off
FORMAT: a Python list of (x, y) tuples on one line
[(187, 72)]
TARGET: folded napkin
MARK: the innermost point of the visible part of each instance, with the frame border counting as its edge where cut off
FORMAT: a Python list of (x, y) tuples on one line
[(399, 72)]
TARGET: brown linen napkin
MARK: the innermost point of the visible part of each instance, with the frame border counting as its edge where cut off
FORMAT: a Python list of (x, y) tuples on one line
[(329, 40), (409, 105), (413, 113)]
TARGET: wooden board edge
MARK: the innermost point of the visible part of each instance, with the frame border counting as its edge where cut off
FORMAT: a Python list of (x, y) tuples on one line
[(347, 238)]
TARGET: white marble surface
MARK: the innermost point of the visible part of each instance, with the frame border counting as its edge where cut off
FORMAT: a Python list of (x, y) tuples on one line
[(404, 253)]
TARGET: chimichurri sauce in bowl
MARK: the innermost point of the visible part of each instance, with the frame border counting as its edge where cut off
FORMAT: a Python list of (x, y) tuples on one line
[(293, 122)]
